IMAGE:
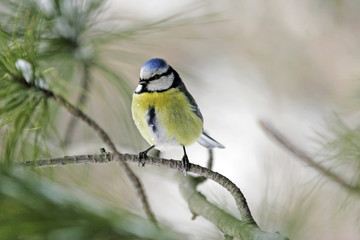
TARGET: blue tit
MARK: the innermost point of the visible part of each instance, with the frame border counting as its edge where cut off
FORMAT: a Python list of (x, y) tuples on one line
[(165, 113)]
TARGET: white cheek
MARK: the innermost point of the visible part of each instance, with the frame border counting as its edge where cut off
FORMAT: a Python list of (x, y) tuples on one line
[(161, 84), (139, 88)]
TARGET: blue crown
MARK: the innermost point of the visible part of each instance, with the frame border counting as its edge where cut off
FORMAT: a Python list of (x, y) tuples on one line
[(154, 64)]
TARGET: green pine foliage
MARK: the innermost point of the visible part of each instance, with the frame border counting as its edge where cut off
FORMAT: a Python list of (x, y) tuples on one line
[(23, 106), (343, 150), (36, 208)]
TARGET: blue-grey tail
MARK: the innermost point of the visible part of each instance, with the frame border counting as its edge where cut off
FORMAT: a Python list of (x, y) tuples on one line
[(209, 142)]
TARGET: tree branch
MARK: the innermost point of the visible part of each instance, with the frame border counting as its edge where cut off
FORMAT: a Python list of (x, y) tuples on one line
[(174, 164), (82, 100), (198, 205), (228, 224), (106, 138), (68, 160), (281, 139)]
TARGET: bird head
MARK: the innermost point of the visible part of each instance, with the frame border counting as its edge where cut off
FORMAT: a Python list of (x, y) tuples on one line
[(155, 76)]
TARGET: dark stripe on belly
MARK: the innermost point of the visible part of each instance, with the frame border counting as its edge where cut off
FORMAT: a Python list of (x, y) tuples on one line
[(151, 119)]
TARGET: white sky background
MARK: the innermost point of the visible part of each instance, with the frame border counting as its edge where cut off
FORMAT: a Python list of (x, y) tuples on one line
[(285, 61)]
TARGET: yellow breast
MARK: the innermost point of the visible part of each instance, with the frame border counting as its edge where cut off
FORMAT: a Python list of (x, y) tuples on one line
[(175, 119)]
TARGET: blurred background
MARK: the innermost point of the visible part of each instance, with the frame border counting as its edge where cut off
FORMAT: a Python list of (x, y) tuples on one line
[(293, 63)]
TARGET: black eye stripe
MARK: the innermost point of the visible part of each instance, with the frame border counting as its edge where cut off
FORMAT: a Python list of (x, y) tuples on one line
[(157, 76)]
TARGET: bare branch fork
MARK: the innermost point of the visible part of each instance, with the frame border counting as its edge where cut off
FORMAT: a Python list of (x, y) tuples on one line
[(228, 224), (281, 139), (246, 228), (161, 162)]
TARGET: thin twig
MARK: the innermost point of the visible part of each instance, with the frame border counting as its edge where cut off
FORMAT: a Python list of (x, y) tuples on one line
[(106, 138), (168, 163), (209, 165), (210, 161), (82, 100), (280, 138)]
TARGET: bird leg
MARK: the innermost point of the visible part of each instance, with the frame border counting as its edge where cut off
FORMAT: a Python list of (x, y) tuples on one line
[(185, 162), (143, 155)]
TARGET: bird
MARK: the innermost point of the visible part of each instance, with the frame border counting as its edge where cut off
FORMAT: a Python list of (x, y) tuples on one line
[(165, 113)]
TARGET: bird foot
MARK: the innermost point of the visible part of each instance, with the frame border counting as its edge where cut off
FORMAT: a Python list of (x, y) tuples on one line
[(142, 156), (185, 164)]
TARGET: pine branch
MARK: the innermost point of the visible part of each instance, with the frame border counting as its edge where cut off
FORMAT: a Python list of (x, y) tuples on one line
[(161, 162), (281, 139)]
